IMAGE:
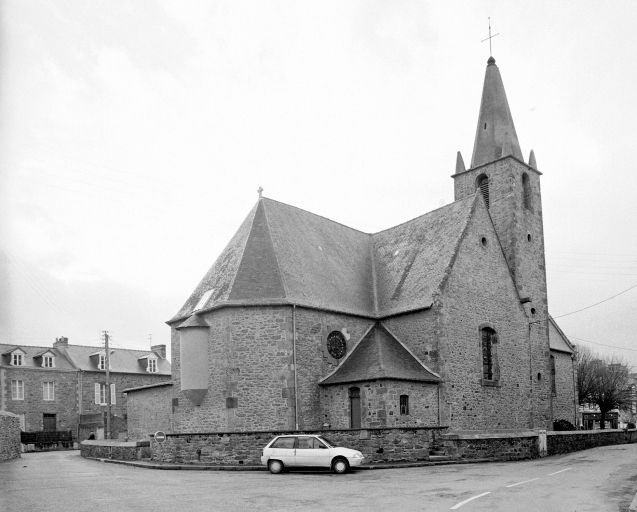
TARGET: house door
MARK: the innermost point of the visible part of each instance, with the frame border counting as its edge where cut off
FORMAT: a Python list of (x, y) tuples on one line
[(355, 407), (48, 422)]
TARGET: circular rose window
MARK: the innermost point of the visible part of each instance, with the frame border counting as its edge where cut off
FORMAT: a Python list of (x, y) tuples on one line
[(336, 345)]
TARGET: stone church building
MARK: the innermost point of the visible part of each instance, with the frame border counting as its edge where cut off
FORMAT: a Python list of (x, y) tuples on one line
[(304, 323)]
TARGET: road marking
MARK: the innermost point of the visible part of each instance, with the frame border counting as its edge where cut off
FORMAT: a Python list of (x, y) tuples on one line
[(562, 471), (520, 483), (458, 505)]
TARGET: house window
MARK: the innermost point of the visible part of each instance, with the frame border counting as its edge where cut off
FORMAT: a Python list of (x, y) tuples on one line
[(100, 394), (47, 361), (102, 364), (489, 356), (483, 185), (404, 405), (48, 390), (553, 386), (526, 191), (152, 365), (16, 359), (17, 390)]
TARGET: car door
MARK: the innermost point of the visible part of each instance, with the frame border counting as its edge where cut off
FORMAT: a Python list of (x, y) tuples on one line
[(283, 449), (312, 452)]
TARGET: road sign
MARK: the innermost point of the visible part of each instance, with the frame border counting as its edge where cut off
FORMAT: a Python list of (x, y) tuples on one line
[(160, 436)]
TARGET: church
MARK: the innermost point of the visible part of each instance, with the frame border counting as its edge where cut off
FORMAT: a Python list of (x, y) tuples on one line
[(303, 323)]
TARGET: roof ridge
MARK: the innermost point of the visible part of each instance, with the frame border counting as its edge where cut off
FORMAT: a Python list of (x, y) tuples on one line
[(423, 215), (255, 208), (317, 215)]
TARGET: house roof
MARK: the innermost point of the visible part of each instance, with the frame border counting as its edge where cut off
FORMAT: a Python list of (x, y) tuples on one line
[(380, 355), (61, 363), (121, 360), (284, 255), (148, 386), (557, 339)]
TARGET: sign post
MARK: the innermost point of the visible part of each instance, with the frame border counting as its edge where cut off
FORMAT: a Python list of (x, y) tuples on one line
[(160, 438)]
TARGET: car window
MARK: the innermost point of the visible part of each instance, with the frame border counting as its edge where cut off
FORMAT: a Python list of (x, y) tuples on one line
[(309, 443), (329, 443), (284, 442)]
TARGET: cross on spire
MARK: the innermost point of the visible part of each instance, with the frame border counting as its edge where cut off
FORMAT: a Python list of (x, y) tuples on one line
[(489, 38), (260, 191)]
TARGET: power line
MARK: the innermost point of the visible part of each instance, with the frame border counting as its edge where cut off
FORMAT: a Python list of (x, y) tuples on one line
[(597, 303), (602, 344)]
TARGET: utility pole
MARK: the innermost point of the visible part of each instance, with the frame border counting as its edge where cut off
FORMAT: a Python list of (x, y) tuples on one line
[(108, 387)]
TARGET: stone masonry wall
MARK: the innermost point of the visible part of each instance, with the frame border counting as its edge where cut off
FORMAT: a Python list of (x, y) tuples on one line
[(64, 405), (246, 447), (420, 332), (251, 369), (572, 441), (380, 404), (480, 291), (520, 231), (149, 410), (564, 399), (502, 446), (9, 436)]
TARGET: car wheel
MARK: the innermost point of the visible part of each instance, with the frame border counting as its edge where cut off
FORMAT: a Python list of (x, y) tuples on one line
[(275, 466), (340, 466)]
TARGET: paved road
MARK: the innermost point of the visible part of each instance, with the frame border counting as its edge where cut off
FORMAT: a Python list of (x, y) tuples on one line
[(602, 479)]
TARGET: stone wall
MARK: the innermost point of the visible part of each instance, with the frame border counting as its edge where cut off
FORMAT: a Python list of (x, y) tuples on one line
[(564, 399), (9, 436), (380, 404), (566, 442), (149, 410), (500, 446), (480, 292), (131, 450), (388, 444)]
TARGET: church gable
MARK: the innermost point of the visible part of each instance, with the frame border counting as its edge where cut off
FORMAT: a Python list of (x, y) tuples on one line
[(412, 258), (380, 355)]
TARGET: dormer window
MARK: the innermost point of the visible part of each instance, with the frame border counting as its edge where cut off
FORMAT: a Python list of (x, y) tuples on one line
[(203, 300), (101, 365), (48, 362), (152, 365), (17, 359)]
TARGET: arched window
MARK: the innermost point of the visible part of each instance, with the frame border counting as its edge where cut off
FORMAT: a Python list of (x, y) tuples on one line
[(355, 408), (526, 191), (404, 405), (483, 185), (553, 386), (490, 369)]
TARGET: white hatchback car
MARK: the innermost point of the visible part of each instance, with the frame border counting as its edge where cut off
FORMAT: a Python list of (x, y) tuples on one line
[(311, 451)]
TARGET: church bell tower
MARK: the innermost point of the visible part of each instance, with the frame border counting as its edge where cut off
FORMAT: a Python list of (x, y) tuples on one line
[(511, 191)]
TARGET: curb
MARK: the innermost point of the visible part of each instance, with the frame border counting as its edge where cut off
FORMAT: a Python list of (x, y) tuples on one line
[(169, 466)]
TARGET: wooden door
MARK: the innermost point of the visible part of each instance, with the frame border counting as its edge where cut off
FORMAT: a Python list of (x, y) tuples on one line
[(48, 422)]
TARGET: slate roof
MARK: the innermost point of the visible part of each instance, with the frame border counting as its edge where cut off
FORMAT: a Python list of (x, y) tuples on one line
[(61, 363), (380, 355), (557, 339), (121, 360), (284, 255), (148, 386)]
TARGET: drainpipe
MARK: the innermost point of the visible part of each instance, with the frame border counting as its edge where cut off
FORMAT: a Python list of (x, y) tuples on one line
[(575, 398), (296, 389)]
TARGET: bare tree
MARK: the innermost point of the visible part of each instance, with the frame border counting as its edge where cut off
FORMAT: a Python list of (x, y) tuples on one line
[(603, 381)]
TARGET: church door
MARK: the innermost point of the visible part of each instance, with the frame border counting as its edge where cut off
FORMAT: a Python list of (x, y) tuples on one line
[(355, 407)]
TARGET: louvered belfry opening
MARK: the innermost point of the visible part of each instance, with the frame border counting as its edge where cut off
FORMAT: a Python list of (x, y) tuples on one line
[(484, 188), (526, 191)]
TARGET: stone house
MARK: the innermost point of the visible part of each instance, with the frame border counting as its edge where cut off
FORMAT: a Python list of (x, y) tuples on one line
[(303, 322), (52, 388), (563, 367)]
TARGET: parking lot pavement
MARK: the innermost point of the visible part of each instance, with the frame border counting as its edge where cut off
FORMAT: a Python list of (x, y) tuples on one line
[(600, 479)]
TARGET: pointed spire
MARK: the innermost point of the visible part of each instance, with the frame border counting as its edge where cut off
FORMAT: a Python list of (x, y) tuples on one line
[(460, 164), (495, 124), (532, 162)]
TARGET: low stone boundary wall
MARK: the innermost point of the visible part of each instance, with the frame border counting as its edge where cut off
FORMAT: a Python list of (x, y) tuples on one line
[(573, 441), (9, 436), (108, 449), (500, 446), (376, 444)]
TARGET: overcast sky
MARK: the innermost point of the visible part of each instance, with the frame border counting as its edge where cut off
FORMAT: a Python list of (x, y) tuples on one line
[(134, 136)]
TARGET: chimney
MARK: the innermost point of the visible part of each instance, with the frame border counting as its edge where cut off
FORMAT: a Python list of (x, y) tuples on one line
[(160, 350), (61, 342)]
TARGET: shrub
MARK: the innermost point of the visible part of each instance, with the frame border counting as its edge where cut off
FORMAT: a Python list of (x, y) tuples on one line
[(563, 425), (631, 424)]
